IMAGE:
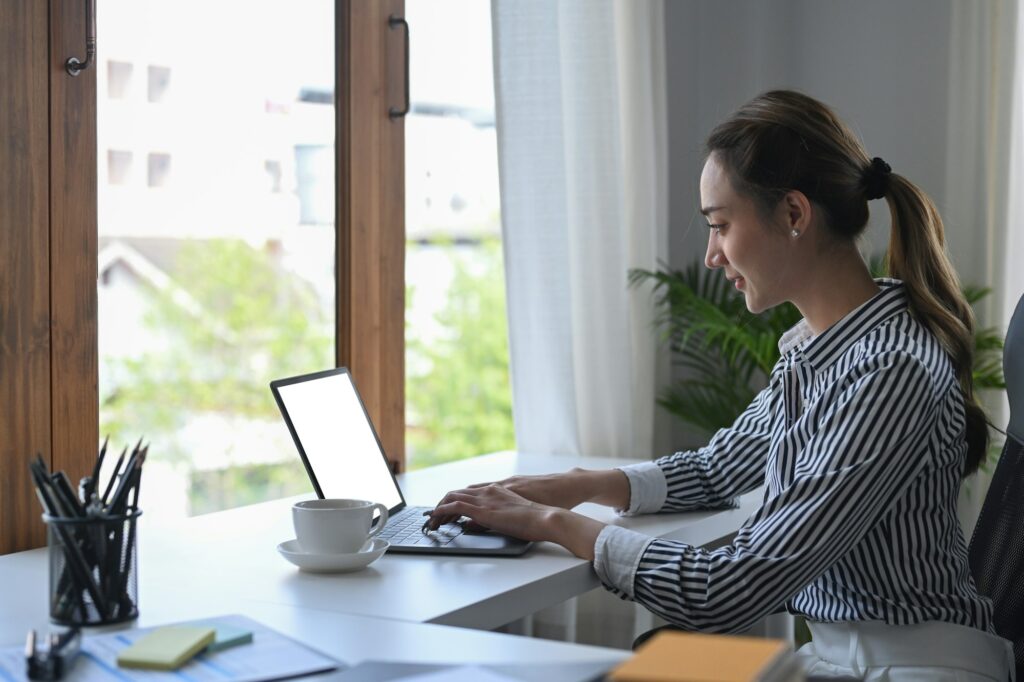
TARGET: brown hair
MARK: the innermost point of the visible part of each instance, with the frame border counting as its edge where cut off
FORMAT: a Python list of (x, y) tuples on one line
[(784, 140)]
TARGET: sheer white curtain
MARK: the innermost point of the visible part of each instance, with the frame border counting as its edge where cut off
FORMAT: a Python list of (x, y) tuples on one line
[(984, 213), (582, 149), (580, 103)]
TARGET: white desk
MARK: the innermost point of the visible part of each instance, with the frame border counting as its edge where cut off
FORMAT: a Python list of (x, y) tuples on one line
[(229, 558), (350, 639), (236, 551)]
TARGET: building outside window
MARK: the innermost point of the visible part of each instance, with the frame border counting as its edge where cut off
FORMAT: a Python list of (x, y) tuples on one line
[(224, 278)]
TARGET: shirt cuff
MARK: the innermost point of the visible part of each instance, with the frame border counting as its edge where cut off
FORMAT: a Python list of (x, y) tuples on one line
[(647, 488), (617, 553)]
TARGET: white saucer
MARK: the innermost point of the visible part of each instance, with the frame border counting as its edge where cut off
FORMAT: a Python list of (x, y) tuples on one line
[(333, 563)]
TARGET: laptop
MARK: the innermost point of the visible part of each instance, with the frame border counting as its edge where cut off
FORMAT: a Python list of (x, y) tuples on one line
[(344, 458)]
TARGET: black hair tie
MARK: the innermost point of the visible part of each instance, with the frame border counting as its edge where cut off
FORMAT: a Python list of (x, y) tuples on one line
[(876, 179)]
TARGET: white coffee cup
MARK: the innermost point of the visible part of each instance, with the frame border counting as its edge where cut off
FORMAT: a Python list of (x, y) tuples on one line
[(336, 526)]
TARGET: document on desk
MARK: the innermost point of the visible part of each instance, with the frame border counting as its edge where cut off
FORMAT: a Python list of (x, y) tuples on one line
[(270, 656)]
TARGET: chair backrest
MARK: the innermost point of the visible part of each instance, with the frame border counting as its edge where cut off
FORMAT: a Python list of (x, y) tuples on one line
[(996, 551)]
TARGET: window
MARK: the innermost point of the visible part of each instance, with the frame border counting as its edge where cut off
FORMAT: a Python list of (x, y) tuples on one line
[(273, 169), (119, 79), (159, 79), (313, 175), (220, 282), (159, 169), (52, 379), (119, 167), (458, 397)]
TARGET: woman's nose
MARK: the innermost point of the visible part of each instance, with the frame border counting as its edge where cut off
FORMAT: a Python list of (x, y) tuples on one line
[(714, 258)]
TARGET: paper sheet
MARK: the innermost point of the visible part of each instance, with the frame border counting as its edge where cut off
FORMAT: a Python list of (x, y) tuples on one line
[(270, 656)]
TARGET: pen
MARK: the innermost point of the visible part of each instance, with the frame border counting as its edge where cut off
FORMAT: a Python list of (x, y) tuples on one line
[(117, 504), (70, 502), (114, 475), (80, 568), (95, 479)]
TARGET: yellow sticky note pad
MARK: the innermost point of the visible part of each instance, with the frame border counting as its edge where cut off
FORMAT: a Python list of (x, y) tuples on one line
[(166, 648)]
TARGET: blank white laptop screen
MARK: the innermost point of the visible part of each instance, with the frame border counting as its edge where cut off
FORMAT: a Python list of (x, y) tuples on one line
[(338, 440)]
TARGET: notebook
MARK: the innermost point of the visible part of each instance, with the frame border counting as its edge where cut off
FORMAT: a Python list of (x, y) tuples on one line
[(696, 657), (344, 459)]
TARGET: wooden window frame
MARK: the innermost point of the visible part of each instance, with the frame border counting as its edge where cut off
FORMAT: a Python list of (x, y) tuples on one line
[(370, 277), (49, 400)]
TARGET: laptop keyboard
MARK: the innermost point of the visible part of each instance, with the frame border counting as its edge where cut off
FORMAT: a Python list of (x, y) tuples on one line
[(405, 528)]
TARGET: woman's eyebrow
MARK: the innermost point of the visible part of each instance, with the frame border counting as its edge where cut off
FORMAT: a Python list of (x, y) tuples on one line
[(710, 209)]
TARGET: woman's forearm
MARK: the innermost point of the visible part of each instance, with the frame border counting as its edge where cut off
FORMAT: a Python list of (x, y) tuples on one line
[(575, 532), (609, 487)]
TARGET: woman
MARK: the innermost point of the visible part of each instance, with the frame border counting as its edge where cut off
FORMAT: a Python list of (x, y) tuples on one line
[(861, 438)]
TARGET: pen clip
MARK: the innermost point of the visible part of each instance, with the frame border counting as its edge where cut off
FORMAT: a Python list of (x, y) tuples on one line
[(30, 644)]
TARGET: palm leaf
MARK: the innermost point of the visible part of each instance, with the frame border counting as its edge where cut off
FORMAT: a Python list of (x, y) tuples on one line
[(725, 351), (974, 294)]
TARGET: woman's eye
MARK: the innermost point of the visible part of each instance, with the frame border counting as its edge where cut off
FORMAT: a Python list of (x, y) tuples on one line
[(717, 227)]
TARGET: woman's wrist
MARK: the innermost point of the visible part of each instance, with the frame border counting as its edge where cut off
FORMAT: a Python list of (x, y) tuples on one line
[(575, 532)]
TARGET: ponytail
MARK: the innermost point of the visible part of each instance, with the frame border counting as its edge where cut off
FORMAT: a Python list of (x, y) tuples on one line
[(917, 256)]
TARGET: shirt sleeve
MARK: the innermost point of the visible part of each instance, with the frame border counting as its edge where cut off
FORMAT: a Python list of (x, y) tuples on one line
[(863, 454), (733, 463), (617, 553)]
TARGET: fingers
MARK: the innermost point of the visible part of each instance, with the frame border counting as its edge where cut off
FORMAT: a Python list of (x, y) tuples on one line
[(436, 518), (435, 522), (452, 507), (466, 502)]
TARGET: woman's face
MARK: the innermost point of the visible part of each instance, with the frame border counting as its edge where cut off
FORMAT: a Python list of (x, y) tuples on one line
[(756, 257)]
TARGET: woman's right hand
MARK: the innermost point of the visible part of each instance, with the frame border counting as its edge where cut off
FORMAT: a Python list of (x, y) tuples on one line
[(565, 490)]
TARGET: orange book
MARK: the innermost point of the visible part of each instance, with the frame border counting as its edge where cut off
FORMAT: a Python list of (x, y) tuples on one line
[(691, 657)]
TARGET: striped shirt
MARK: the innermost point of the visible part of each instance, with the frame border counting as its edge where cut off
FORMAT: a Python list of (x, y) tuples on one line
[(859, 442)]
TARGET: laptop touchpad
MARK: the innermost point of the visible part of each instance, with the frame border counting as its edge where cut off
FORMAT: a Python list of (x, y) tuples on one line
[(480, 541)]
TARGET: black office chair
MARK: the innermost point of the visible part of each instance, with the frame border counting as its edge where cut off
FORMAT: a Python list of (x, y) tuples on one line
[(996, 551)]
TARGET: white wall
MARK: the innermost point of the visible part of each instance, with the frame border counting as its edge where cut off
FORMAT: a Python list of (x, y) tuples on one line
[(884, 65)]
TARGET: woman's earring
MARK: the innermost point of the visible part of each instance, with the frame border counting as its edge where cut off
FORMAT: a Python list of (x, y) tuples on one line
[(795, 233)]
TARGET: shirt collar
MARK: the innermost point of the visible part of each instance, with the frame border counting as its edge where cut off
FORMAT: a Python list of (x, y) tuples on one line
[(822, 350)]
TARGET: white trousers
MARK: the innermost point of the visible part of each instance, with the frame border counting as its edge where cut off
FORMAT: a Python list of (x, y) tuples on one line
[(932, 651)]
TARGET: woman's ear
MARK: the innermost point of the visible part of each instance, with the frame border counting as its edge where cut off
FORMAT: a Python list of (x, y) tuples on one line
[(796, 212)]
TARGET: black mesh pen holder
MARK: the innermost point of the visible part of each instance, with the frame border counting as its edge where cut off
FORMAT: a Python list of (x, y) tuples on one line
[(93, 569)]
